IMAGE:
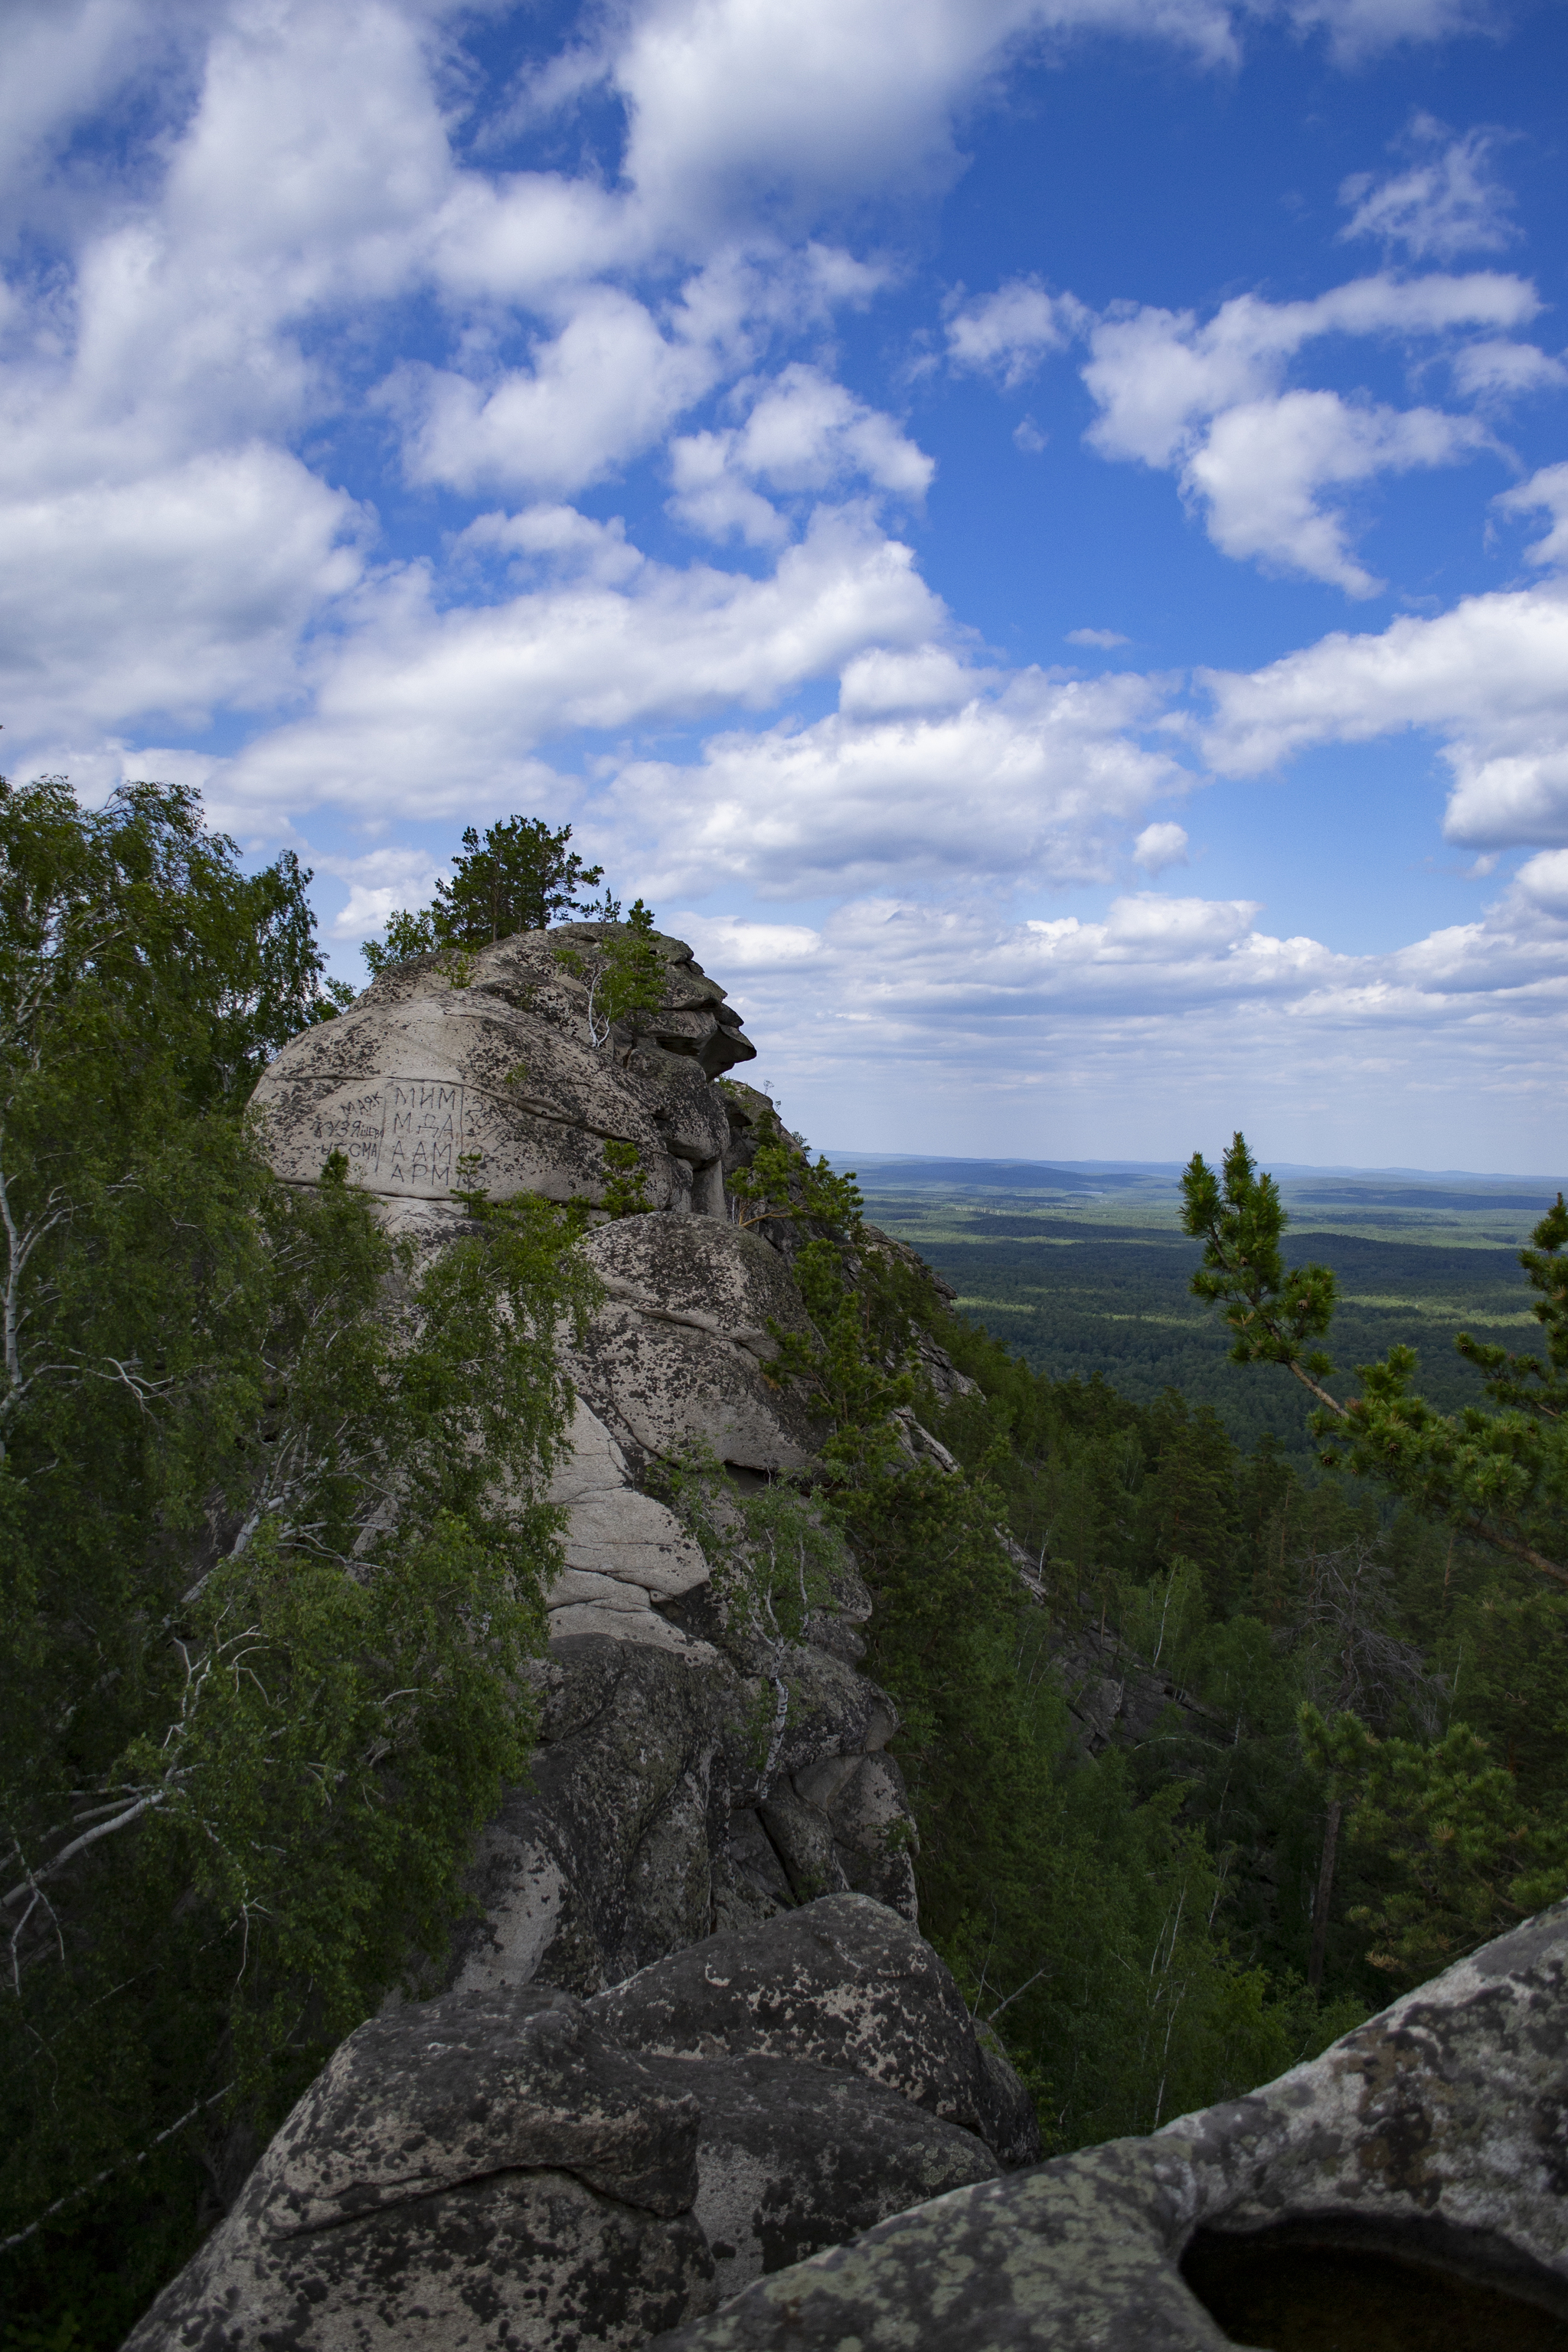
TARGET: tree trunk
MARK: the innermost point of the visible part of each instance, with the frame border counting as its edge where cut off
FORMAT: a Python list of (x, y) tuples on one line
[(1325, 1896)]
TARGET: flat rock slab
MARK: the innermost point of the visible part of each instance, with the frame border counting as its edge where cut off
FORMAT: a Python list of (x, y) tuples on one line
[(1438, 2132)]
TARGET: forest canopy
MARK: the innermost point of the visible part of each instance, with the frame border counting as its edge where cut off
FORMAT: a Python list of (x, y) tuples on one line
[(262, 1615)]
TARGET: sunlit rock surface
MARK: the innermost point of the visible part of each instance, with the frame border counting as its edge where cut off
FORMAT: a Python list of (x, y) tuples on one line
[(499, 1072)]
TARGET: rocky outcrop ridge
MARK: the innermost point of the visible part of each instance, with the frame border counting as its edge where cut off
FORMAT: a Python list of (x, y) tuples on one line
[(1436, 2134), (693, 2073), (522, 2170), (486, 1059)]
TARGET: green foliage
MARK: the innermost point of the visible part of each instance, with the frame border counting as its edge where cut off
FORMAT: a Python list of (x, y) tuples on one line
[(518, 877), (272, 1552), (1456, 1855), (1272, 1311), (774, 1560), (130, 933), (626, 1194), (1501, 1476), (624, 973), (782, 1183), (1076, 1908)]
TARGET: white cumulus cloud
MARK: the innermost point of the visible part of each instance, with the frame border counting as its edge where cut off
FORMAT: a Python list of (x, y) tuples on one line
[(1160, 845), (1490, 677), (1207, 401), (1007, 333)]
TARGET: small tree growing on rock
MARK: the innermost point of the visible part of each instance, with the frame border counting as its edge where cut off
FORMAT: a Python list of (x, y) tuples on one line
[(624, 973), (518, 877)]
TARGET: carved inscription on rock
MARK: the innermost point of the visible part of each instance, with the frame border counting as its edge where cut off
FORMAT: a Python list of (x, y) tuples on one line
[(406, 1134)]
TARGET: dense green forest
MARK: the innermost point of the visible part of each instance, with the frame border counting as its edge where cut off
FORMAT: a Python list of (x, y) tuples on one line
[(263, 1612), (1091, 1291)]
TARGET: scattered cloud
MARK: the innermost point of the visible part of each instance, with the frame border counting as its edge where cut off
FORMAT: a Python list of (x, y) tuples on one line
[(303, 208), (1208, 402), (1546, 492), (1008, 333), (1176, 1009), (1438, 208), (804, 435), (381, 884), (1033, 783), (1264, 467), (1159, 846), (1498, 371), (1489, 677), (423, 709)]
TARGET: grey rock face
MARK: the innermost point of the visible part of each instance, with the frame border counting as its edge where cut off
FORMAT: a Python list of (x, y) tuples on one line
[(1435, 2131), (639, 1831), (842, 1983), (420, 1071), (604, 1861), (791, 2157), (679, 1354), (482, 2171)]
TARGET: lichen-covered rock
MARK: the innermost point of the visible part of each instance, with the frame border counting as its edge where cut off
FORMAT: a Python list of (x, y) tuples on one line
[(602, 1861), (677, 1357), (1438, 2132), (488, 1059), (842, 1983), (482, 2171), (792, 2157)]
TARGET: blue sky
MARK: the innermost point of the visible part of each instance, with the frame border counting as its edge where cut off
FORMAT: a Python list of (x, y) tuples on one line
[(1035, 535)]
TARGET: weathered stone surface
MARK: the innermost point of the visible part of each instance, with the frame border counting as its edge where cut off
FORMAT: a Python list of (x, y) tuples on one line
[(420, 1071), (677, 1355), (792, 2157), (842, 1983), (625, 1550), (867, 1808), (1438, 2130), (603, 1862), (476, 2171)]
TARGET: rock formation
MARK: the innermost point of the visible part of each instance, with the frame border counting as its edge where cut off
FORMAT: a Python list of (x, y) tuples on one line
[(1436, 2134), (486, 1059), (692, 2051), (519, 2169)]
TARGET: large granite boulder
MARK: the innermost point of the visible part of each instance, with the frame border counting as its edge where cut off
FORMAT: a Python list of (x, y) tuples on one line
[(486, 2171), (792, 2157), (1428, 2147), (488, 1057), (498, 2169), (842, 1983)]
